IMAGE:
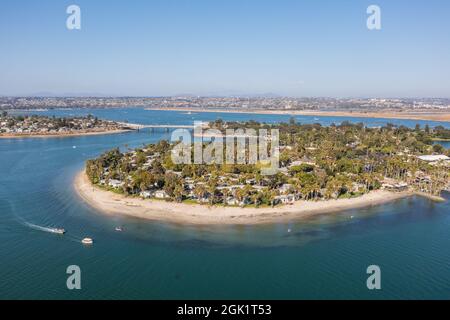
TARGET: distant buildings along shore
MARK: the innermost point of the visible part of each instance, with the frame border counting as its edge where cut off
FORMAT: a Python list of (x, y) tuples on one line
[(231, 103)]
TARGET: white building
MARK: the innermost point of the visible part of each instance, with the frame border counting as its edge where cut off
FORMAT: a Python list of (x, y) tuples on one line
[(433, 158), (115, 183), (146, 194), (161, 194), (286, 199)]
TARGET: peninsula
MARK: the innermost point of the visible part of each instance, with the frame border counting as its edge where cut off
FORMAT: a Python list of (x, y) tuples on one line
[(322, 169), (40, 126)]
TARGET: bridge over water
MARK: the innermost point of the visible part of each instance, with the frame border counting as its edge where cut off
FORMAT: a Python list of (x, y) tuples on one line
[(156, 126)]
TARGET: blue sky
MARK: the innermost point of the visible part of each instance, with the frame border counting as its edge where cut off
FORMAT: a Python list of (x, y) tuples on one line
[(222, 47)]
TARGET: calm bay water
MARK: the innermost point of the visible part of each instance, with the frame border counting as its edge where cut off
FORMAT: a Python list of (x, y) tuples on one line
[(325, 257)]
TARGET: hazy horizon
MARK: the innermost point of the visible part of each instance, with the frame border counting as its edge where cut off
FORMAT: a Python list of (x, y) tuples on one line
[(234, 48), (242, 96)]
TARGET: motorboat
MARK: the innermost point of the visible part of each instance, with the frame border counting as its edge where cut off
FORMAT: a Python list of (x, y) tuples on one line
[(87, 241), (58, 230)]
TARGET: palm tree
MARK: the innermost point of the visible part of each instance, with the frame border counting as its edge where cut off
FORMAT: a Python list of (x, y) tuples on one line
[(225, 194), (200, 191)]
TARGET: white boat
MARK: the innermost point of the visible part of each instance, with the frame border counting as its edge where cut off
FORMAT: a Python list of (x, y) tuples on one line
[(119, 229), (58, 230), (87, 241)]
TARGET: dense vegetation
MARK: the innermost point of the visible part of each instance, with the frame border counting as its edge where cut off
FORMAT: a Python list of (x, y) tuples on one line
[(316, 163), (37, 124)]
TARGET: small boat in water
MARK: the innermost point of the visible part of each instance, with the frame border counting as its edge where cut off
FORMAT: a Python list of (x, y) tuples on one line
[(119, 229), (87, 241), (58, 230)]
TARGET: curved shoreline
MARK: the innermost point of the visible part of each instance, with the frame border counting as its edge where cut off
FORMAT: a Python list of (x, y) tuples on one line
[(436, 116), (116, 204), (64, 135)]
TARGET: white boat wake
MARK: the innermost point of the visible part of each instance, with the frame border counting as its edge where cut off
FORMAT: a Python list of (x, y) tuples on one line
[(33, 226), (52, 230), (45, 229)]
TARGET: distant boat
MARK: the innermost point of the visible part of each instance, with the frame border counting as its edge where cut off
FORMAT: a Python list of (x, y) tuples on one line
[(57, 230), (316, 119), (87, 241), (119, 229)]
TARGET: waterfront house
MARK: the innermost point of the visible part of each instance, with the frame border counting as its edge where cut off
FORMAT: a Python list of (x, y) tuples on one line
[(397, 187), (285, 199), (232, 201), (161, 194), (113, 183), (146, 194)]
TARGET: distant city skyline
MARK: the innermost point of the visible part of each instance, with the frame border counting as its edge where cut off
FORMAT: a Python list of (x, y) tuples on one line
[(248, 95), (225, 48)]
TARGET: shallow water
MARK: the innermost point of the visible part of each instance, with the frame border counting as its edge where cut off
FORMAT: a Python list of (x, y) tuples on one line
[(324, 257)]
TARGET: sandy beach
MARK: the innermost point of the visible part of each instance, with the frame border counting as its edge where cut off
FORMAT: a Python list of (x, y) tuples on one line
[(63, 135), (116, 204), (386, 114)]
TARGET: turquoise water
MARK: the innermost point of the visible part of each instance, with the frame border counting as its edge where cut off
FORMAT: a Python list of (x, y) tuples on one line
[(325, 257), (446, 144), (139, 115)]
